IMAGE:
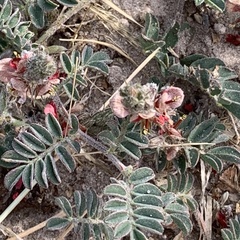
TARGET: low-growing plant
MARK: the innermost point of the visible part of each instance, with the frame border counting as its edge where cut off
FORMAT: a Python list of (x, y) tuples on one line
[(144, 121)]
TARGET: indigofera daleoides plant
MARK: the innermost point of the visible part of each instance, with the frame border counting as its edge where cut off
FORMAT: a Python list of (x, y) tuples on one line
[(142, 121)]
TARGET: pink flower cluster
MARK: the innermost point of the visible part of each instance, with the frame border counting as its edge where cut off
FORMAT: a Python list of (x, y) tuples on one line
[(12, 72)]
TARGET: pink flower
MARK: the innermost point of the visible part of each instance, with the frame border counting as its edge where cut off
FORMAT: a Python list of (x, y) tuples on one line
[(169, 98)]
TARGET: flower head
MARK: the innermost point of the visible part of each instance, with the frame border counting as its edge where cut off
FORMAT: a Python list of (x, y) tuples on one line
[(33, 72)]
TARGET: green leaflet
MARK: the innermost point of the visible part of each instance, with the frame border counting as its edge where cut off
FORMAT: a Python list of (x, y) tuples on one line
[(66, 158), (141, 175), (65, 205), (57, 223)]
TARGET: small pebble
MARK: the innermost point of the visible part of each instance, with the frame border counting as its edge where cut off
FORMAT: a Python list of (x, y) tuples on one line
[(220, 28)]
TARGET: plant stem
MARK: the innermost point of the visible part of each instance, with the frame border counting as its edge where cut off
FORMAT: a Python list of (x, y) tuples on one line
[(20, 197)]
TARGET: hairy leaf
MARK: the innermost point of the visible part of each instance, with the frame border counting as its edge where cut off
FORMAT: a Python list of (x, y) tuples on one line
[(214, 161), (131, 149), (33, 142), (151, 225), (47, 5), (66, 63), (12, 177), (146, 200), (116, 217), (52, 171), (42, 134), (66, 158), (226, 153), (146, 189), (115, 190), (28, 175), (80, 203), (147, 212), (122, 229), (68, 3), (65, 205), (13, 157), (141, 175), (37, 15), (53, 126), (56, 223), (116, 204), (183, 222), (41, 173), (23, 149)]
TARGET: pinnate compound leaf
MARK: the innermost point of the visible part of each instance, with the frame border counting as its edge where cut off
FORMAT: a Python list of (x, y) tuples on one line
[(146, 200), (68, 3), (66, 158), (146, 189), (66, 63), (13, 157), (65, 205), (42, 134), (202, 132), (23, 149), (33, 142), (41, 173), (47, 5), (37, 15), (137, 139), (141, 175), (116, 217), (122, 229), (53, 126), (57, 223), (98, 60), (13, 176), (152, 225), (214, 161), (52, 171), (116, 205), (80, 203), (115, 190), (183, 222), (137, 235), (146, 212), (226, 153)]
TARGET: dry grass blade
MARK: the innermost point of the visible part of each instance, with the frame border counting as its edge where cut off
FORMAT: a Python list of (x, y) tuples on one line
[(109, 45), (7, 231), (119, 10), (35, 228), (112, 23)]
